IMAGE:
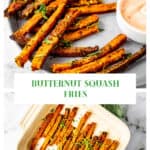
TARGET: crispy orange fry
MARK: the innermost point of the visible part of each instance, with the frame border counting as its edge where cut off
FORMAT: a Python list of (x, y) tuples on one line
[(19, 35), (67, 111), (106, 145), (98, 8), (88, 137), (15, 6), (41, 130), (81, 33), (73, 51), (53, 39), (114, 145), (56, 113), (51, 133), (81, 136), (123, 64), (99, 63), (33, 6), (84, 22), (100, 141), (84, 3), (77, 130), (68, 124), (109, 47), (41, 34)]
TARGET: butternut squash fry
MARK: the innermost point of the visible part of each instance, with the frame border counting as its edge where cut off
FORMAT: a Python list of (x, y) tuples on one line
[(109, 47), (97, 9), (106, 145), (45, 49), (14, 7), (81, 33), (114, 145), (73, 51), (100, 141), (123, 64), (99, 63), (77, 130), (84, 3), (40, 131), (84, 22), (41, 34), (29, 9), (51, 133), (56, 113), (19, 35)]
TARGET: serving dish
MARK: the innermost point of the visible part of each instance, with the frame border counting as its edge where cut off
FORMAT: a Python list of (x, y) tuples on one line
[(104, 119), (133, 33)]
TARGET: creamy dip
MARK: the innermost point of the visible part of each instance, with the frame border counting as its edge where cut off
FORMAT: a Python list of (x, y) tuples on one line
[(134, 11)]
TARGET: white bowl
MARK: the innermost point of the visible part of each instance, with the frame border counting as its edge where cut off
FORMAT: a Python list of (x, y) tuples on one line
[(131, 32)]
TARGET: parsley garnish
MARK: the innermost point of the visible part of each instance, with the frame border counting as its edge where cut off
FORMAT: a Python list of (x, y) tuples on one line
[(47, 41), (42, 10), (66, 43)]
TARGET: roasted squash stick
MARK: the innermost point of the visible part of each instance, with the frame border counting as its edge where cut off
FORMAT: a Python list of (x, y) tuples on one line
[(81, 33), (30, 8), (109, 47), (19, 35), (39, 36), (14, 6), (73, 51), (84, 22), (123, 64), (46, 47), (99, 63), (97, 9)]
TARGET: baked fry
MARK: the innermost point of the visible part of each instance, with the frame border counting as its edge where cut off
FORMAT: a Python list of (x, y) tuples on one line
[(84, 22), (114, 145), (73, 51), (20, 35), (53, 39), (66, 115), (99, 63), (77, 130), (14, 6), (109, 47), (81, 33), (68, 124), (123, 64), (106, 145), (41, 130), (100, 141), (30, 8), (84, 3), (56, 113), (34, 41), (86, 143), (51, 132), (83, 134), (97, 9)]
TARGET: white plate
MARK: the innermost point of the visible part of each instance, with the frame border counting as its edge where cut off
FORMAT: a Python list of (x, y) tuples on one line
[(107, 22), (104, 119)]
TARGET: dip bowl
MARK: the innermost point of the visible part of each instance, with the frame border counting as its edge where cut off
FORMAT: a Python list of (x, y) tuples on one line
[(132, 32)]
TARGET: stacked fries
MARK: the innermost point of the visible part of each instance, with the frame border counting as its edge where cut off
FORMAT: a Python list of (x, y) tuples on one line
[(51, 26), (57, 129)]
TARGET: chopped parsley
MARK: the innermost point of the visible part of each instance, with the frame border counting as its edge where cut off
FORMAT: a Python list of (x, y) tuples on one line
[(42, 10)]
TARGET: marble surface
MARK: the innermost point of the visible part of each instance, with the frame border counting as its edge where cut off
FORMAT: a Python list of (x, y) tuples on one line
[(134, 117)]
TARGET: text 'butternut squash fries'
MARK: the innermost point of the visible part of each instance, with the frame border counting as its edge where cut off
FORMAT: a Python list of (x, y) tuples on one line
[(49, 28), (58, 130)]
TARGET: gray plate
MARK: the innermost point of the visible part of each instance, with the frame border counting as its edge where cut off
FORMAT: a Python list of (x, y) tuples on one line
[(109, 24)]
